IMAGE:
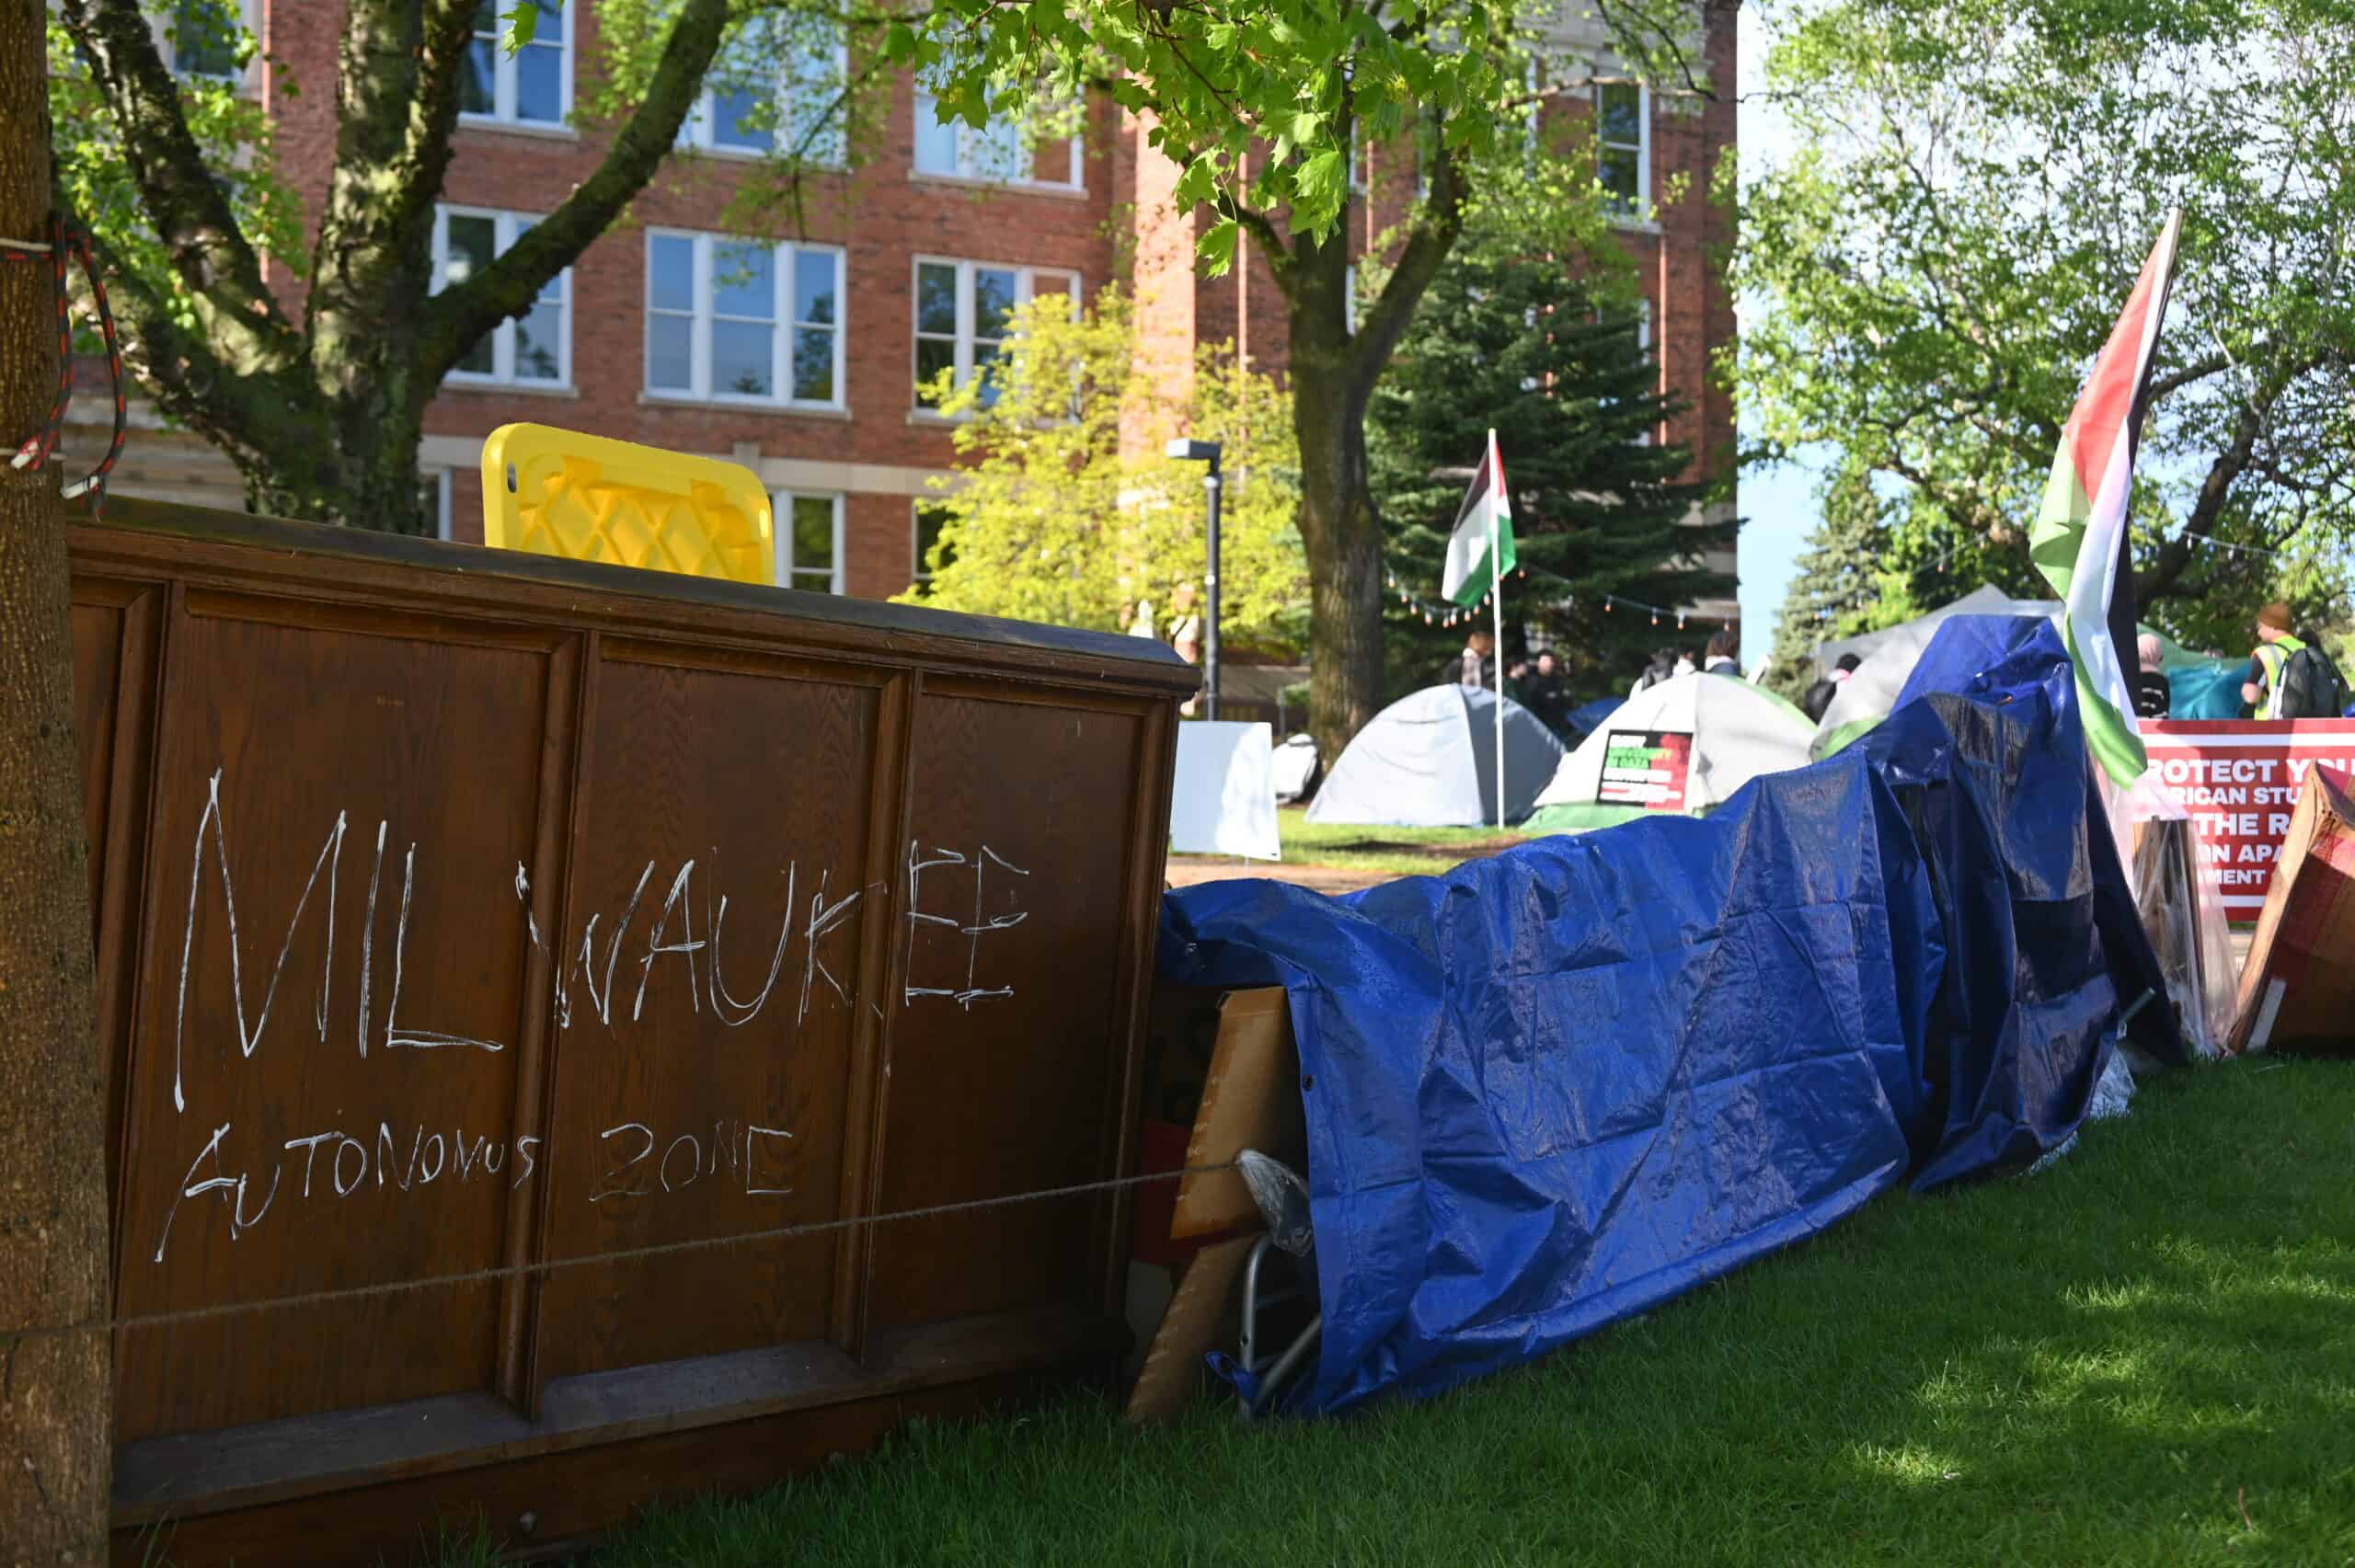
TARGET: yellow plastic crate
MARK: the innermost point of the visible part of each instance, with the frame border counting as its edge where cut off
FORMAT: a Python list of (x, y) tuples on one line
[(560, 493)]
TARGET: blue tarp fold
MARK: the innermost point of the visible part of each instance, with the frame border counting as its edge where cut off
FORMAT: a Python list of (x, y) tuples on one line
[(1553, 1089)]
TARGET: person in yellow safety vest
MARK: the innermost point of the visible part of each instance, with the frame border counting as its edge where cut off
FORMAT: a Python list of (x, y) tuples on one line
[(2262, 688)]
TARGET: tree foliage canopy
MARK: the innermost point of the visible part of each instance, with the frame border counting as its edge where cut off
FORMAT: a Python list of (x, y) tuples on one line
[(1976, 185), (1049, 521)]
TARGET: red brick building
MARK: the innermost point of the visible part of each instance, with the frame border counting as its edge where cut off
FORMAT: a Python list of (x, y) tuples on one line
[(802, 360)]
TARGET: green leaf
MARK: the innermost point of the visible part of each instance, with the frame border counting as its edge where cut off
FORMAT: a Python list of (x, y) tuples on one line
[(522, 25), (1216, 248)]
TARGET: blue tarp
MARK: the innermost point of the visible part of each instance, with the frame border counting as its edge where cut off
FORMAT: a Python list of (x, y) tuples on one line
[(1585, 720), (1553, 1089)]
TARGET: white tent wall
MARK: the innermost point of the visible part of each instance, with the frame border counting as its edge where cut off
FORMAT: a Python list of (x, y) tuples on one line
[(1739, 732), (1428, 760)]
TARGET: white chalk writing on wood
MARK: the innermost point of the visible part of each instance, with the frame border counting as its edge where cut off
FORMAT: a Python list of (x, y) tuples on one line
[(639, 1162)]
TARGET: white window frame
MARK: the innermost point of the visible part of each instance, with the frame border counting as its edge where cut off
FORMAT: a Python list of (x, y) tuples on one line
[(1025, 290), (928, 115), (695, 130), (781, 343), (781, 507), (503, 94), (439, 479), (1642, 147), (165, 21), (502, 336), (1644, 341)]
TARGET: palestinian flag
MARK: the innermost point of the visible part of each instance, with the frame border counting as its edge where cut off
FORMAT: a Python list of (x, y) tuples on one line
[(2079, 541), (1483, 528)]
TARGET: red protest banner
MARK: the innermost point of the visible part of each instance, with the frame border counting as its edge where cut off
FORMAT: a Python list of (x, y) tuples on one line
[(2238, 780)]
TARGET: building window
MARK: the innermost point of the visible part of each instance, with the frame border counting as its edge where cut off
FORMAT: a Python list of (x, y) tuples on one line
[(1622, 145), (1644, 342), (964, 314), (535, 350), (1004, 151), (928, 555), (776, 88), (210, 38), (532, 86), (433, 495), (809, 542), (735, 321)]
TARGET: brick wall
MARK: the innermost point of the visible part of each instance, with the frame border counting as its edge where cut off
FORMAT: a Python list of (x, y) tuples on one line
[(878, 453)]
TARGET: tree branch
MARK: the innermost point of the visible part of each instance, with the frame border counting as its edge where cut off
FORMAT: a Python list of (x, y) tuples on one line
[(2197, 370), (396, 105), (1628, 25), (190, 212), (1262, 228), (244, 413), (1437, 223), (2216, 490), (457, 317)]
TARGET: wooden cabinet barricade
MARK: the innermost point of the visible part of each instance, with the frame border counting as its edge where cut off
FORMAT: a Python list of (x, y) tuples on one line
[(466, 918)]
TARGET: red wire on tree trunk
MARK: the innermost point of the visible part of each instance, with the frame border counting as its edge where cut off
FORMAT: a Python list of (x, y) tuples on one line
[(66, 237)]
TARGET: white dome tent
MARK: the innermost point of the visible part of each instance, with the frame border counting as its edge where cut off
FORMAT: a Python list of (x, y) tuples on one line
[(1430, 761), (1682, 746)]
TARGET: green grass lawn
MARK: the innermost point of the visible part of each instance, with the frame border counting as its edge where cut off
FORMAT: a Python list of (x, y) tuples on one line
[(1399, 852), (2144, 1355)]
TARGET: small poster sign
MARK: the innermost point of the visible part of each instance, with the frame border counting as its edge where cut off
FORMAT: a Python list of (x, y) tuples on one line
[(1645, 767)]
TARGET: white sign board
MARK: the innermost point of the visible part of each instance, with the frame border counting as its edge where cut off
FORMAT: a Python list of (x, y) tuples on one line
[(1225, 795)]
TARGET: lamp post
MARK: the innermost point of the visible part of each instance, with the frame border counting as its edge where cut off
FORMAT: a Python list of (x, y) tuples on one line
[(1207, 452)]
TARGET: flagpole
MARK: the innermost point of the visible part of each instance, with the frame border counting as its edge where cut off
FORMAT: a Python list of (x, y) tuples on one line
[(1496, 600)]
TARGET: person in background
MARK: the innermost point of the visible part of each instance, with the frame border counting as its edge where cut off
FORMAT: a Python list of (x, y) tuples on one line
[(1186, 635), (2152, 692), (2261, 688), (1661, 668), (1477, 664), (1819, 697), (1720, 658), (1549, 697), (1685, 664)]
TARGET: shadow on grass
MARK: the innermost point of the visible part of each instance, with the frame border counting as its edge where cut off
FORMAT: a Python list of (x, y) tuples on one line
[(2144, 1355)]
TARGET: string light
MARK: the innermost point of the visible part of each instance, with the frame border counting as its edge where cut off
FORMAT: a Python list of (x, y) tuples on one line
[(1439, 613)]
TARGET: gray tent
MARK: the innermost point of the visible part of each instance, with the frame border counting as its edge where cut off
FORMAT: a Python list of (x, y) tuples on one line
[(1430, 761)]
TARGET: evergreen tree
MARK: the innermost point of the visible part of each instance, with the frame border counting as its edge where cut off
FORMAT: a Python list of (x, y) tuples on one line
[(1840, 587), (1599, 507)]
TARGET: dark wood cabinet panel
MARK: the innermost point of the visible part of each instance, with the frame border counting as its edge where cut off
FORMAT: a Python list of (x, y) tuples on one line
[(465, 918)]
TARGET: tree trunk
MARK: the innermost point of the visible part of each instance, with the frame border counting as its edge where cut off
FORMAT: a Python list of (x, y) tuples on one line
[(369, 480), (1342, 536), (53, 1387), (1338, 527)]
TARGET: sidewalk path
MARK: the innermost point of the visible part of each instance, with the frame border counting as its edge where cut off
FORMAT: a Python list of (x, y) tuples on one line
[(1186, 871)]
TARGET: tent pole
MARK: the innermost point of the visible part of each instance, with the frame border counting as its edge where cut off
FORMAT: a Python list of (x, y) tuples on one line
[(1496, 601)]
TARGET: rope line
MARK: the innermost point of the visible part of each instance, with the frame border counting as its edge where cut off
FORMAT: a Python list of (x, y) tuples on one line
[(552, 1265), (69, 241)]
